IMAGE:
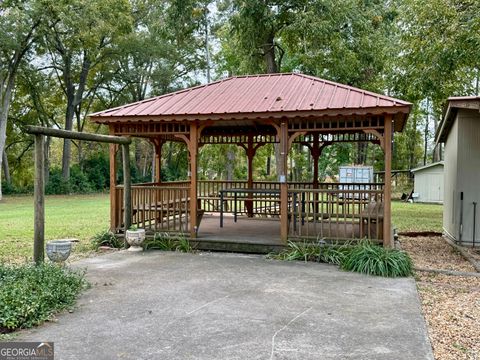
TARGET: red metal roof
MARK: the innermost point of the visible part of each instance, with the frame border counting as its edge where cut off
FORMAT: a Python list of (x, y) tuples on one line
[(285, 93)]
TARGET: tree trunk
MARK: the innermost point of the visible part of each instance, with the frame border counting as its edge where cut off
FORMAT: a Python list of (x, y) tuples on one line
[(6, 169), (269, 55), (74, 99), (230, 163), (5, 95), (437, 151), (412, 162), (47, 158), (361, 153), (67, 143)]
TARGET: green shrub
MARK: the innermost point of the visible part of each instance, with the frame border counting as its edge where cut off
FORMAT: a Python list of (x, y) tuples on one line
[(56, 184), (371, 259), (363, 257), (106, 238), (168, 242), (310, 251), (30, 295)]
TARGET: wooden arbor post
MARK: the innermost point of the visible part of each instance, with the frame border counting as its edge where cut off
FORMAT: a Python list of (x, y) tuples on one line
[(158, 145), (387, 195), (39, 195), (39, 186), (193, 150), (283, 181), (192, 145), (250, 151)]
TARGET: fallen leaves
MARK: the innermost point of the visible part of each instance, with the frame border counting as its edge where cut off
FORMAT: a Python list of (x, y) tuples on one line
[(451, 304)]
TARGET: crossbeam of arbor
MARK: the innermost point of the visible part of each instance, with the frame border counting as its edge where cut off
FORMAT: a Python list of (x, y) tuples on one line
[(39, 186)]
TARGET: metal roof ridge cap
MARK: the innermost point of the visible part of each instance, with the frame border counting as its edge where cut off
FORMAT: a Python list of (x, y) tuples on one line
[(368, 92), (219, 105), (154, 98), (192, 103)]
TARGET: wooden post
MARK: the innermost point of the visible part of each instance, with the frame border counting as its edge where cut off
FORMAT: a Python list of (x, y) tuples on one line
[(250, 150), (193, 150), (39, 194), (158, 161), (114, 222), (283, 182), (127, 188), (387, 196), (315, 152)]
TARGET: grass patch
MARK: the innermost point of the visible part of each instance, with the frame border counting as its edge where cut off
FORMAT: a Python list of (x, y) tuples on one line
[(168, 242), (363, 257), (30, 295), (69, 216), (417, 217)]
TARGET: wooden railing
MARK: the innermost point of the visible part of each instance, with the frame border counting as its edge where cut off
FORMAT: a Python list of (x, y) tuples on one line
[(333, 211), (157, 208), (209, 194), (336, 213)]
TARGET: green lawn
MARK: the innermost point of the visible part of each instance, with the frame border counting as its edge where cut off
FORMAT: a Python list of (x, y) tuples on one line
[(81, 216), (417, 217), (74, 216)]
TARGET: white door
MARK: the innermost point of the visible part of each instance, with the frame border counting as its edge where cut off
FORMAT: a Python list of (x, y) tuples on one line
[(434, 187)]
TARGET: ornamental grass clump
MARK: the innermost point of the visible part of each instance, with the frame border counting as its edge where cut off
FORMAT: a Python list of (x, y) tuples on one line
[(167, 242), (106, 238), (310, 251), (30, 295), (371, 259)]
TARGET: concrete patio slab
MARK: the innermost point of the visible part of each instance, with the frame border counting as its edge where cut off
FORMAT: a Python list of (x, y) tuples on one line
[(162, 305)]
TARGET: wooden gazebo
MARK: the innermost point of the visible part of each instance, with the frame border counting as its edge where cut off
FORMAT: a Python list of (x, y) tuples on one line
[(251, 111)]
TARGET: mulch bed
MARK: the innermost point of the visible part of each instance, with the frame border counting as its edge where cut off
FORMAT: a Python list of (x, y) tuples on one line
[(451, 304)]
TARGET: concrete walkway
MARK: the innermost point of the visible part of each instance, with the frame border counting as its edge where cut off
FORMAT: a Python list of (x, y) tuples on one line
[(161, 305)]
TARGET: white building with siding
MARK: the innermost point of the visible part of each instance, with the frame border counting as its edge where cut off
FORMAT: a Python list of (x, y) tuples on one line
[(460, 132), (428, 183)]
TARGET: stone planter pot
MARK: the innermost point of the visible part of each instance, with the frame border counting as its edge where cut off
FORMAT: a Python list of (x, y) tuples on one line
[(135, 239), (58, 250)]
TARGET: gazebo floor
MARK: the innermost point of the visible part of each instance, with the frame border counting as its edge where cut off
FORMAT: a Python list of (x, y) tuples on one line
[(252, 235), (257, 235)]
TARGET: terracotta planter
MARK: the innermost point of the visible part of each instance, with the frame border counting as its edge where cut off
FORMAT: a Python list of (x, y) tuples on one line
[(58, 250), (135, 239)]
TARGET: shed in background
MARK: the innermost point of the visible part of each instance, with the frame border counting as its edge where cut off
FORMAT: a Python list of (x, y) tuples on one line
[(460, 132), (428, 183)]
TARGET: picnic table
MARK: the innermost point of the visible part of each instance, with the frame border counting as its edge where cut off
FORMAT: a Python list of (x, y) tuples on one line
[(236, 192)]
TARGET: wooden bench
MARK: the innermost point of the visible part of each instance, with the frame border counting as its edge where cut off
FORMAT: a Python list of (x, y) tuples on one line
[(371, 221)]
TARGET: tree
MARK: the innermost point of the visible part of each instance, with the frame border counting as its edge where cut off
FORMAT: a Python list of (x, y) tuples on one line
[(19, 21), (79, 39), (439, 44)]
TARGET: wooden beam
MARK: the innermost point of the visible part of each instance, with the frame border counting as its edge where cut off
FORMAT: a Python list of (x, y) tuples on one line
[(39, 202), (283, 135), (114, 222), (158, 160), (387, 197), (39, 130), (193, 150), (127, 188), (377, 135)]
